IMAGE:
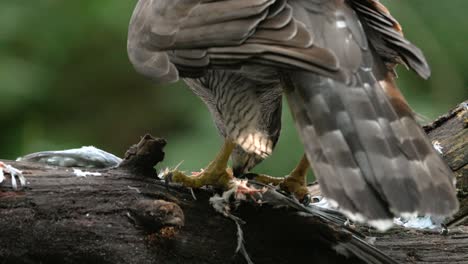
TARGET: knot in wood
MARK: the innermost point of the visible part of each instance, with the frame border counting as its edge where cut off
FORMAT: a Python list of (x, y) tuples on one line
[(142, 157), (157, 214)]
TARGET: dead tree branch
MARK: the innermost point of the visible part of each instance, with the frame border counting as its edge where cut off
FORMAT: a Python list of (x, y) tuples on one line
[(128, 215)]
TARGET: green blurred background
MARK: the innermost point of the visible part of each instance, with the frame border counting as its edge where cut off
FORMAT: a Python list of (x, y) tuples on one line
[(65, 81)]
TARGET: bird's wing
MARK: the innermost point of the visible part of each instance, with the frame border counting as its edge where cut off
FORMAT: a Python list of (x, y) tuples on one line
[(186, 37), (168, 37), (386, 36), (370, 155)]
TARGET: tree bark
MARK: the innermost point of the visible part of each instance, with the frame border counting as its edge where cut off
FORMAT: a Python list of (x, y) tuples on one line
[(451, 131), (128, 215)]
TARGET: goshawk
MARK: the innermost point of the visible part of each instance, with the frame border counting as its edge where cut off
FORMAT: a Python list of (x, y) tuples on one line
[(334, 61)]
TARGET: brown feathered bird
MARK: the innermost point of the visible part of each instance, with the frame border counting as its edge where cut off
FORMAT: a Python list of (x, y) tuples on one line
[(334, 60)]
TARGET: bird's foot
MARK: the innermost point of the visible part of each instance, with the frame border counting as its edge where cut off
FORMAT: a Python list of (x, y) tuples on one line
[(216, 174), (222, 179), (290, 184), (14, 173), (219, 178), (295, 183)]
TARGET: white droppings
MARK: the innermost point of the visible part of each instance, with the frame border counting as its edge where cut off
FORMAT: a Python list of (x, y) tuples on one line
[(341, 24), (85, 157), (464, 105), (80, 173), (418, 222), (381, 224), (406, 220), (409, 214), (323, 202), (436, 144), (14, 173)]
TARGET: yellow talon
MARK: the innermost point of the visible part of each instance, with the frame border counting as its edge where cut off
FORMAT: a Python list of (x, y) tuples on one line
[(294, 183), (219, 179), (216, 174)]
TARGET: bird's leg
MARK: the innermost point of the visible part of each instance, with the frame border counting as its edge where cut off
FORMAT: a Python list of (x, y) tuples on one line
[(294, 183), (216, 174)]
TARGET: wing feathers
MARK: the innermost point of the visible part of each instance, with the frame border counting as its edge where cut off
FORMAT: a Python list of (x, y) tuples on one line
[(230, 31), (360, 135), (161, 25), (278, 20), (385, 34), (215, 12)]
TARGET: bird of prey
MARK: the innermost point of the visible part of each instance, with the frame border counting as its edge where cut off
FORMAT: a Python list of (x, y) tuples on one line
[(334, 61)]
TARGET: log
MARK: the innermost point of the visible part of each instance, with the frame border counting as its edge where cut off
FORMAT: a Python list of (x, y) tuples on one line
[(128, 215), (450, 131)]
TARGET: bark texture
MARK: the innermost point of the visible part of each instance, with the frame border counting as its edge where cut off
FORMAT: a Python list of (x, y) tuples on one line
[(128, 215)]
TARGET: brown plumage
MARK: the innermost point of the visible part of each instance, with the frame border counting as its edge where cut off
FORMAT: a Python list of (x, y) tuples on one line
[(334, 60)]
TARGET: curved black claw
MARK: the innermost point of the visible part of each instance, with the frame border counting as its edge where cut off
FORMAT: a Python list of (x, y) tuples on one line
[(316, 199), (168, 178), (444, 231), (307, 200)]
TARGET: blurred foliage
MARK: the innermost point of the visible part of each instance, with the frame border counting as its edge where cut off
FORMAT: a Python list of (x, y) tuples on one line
[(65, 81)]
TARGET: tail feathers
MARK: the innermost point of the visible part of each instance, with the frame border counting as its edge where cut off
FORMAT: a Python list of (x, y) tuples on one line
[(350, 243), (373, 161)]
